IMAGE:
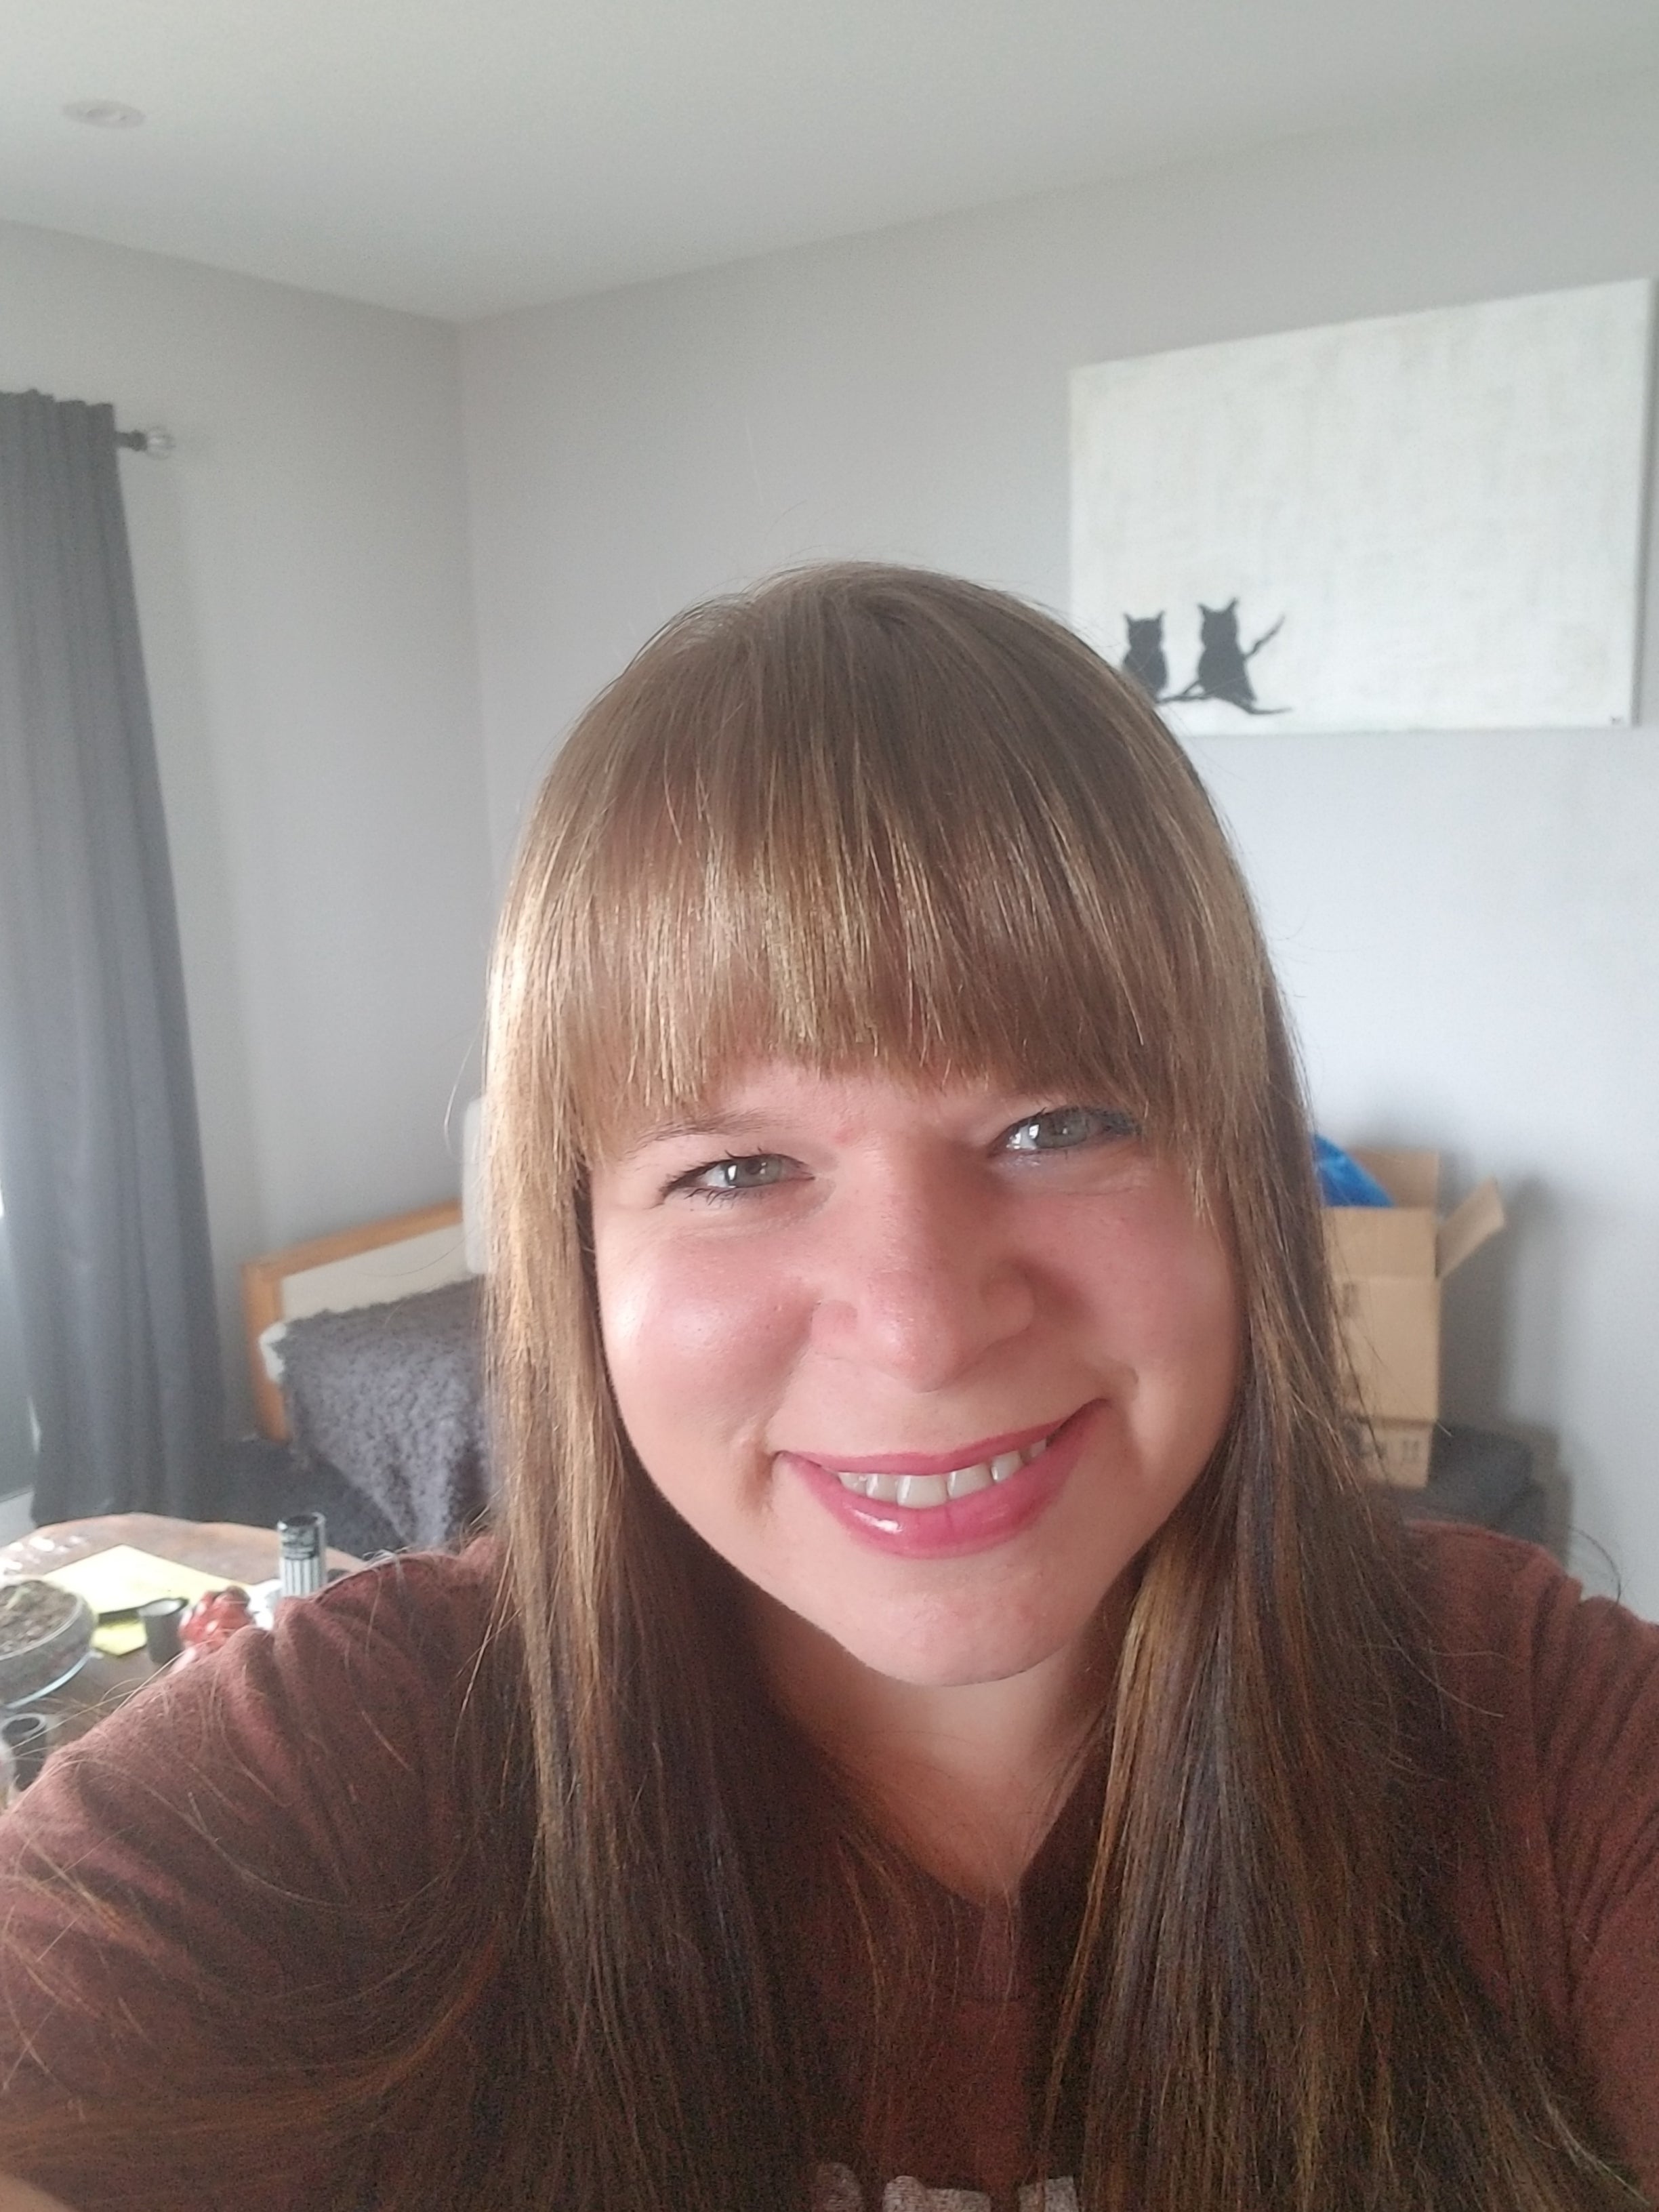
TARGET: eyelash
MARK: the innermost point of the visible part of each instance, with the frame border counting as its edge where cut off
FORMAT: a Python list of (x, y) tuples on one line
[(691, 1186), (1114, 1127)]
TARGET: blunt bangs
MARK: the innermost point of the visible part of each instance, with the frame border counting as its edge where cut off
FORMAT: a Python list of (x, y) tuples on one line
[(887, 822)]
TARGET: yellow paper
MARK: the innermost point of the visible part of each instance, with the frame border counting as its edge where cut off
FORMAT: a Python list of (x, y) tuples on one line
[(124, 1576)]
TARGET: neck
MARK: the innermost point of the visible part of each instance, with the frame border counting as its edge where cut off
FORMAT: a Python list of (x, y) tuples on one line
[(966, 1778)]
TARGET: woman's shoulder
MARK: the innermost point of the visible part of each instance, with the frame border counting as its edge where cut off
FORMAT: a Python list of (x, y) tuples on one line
[(1486, 1594), (1555, 1695), (399, 1637), (296, 1817), (1558, 1680), (466, 1582), (291, 1755), (434, 1606)]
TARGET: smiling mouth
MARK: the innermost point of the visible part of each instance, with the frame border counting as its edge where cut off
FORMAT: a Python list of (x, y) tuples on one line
[(924, 1490)]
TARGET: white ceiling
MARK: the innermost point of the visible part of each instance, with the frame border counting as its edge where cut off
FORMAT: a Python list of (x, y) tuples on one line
[(461, 157)]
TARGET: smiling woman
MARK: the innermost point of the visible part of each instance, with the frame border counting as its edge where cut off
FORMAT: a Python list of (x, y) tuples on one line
[(973, 1356), (946, 1724)]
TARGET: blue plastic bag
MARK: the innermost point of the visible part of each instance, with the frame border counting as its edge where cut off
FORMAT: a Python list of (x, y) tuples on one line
[(1342, 1181)]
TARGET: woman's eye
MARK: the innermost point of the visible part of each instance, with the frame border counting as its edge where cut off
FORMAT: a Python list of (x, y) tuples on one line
[(729, 1177), (1065, 1128)]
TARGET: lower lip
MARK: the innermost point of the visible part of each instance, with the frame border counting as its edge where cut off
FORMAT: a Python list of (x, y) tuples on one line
[(975, 1523)]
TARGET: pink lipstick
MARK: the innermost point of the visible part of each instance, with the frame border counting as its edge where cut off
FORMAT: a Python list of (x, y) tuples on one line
[(943, 1505)]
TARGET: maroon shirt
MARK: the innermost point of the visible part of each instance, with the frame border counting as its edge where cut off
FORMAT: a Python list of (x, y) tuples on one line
[(267, 1821)]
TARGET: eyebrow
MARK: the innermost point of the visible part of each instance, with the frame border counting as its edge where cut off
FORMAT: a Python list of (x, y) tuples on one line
[(695, 1125)]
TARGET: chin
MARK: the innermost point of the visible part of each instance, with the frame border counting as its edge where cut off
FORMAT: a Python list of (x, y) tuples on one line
[(926, 1656), (954, 1674)]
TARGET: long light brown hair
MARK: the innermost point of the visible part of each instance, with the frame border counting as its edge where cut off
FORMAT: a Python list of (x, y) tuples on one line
[(869, 817), (865, 817)]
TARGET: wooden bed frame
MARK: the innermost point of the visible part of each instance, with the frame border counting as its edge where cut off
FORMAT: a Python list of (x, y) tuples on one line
[(352, 1268)]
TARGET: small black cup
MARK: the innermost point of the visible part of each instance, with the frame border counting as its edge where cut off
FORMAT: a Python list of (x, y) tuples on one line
[(162, 1617), (26, 1737)]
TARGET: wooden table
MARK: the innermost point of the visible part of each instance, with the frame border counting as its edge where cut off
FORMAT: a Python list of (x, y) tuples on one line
[(240, 1554)]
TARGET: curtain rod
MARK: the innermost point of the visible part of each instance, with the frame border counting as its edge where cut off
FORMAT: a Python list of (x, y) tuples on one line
[(158, 444)]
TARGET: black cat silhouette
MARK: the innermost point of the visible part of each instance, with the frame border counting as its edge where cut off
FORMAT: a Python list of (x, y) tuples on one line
[(1145, 659), (1223, 671)]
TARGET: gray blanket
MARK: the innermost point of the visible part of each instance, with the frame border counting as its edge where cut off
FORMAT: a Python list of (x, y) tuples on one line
[(391, 1397)]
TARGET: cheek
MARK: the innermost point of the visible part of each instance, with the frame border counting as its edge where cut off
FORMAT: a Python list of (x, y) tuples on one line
[(693, 1341), (653, 1306), (1195, 1315), (1204, 1347), (1166, 1303)]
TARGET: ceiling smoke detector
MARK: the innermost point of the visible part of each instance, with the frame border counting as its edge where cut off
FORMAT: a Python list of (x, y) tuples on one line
[(105, 114)]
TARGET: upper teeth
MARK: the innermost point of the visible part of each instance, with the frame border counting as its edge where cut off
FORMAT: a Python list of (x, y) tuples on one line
[(935, 1489)]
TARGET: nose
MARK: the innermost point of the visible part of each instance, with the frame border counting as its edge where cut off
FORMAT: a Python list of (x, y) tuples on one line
[(919, 1280)]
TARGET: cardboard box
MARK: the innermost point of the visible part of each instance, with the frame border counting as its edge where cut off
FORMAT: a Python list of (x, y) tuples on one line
[(1390, 1262)]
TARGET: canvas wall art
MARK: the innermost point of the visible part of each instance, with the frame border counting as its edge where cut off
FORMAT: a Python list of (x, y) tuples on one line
[(1421, 522)]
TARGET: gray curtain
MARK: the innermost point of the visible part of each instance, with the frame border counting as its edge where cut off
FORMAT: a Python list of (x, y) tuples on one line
[(99, 1159)]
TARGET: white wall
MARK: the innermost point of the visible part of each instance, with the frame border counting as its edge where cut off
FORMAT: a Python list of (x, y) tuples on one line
[(305, 606), (1468, 926)]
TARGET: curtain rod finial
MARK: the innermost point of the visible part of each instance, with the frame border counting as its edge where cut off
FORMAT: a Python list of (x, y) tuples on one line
[(158, 444)]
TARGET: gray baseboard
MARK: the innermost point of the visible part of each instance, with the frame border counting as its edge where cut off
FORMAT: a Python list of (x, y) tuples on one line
[(16, 1516)]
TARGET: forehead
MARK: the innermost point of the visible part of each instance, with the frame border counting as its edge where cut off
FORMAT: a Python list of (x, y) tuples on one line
[(755, 1095)]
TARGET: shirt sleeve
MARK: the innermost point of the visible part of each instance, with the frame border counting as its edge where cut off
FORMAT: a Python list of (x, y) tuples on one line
[(195, 1897), (1597, 1671), (1560, 1694)]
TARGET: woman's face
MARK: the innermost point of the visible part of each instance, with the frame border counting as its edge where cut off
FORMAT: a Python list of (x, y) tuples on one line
[(927, 1365)]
